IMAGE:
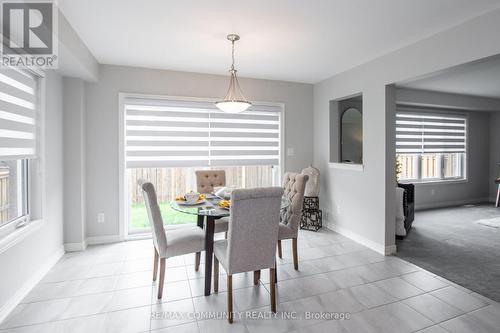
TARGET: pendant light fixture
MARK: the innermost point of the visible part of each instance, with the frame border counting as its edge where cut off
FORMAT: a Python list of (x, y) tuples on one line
[(234, 101)]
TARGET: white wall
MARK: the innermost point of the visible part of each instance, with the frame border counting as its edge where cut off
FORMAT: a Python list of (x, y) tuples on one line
[(476, 188), (102, 125), (75, 59), (494, 171), (22, 263), (417, 97), (74, 164), (361, 204)]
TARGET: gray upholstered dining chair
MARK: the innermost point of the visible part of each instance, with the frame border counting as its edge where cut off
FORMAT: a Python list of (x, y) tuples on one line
[(294, 186), (251, 242), (206, 180), (171, 243)]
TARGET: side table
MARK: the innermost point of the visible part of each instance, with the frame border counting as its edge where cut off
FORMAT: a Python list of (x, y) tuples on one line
[(312, 216)]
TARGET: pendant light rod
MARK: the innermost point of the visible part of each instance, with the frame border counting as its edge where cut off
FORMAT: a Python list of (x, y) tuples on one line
[(233, 38)]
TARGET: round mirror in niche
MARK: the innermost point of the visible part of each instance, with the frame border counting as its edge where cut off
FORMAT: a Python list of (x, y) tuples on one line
[(351, 144)]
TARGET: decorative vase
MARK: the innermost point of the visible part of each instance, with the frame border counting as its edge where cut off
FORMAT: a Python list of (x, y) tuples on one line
[(312, 185)]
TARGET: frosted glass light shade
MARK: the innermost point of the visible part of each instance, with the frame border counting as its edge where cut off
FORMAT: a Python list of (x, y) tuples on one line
[(233, 106)]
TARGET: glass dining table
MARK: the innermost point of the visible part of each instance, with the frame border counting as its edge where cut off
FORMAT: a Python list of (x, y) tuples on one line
[(208, 212)]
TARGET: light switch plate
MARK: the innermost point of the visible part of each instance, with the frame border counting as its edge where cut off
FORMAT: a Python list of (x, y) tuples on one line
[(290, 152)]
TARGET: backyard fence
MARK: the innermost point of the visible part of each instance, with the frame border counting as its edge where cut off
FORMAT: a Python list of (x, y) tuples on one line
[(407, 166), (172, 182)]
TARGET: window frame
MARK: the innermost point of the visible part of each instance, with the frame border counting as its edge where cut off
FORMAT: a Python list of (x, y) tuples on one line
[(24, 219), (16, 230), (464, 160), (463, 169), (123, 217)]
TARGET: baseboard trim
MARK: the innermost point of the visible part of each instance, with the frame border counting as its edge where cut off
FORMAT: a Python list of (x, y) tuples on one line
[(452, 203), (30, 284), (382, 249), (75, 247), (94, 240), (390, 250)]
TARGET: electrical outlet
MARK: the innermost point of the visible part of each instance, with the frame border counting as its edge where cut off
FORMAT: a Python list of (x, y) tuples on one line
[(290, 152), (100, 218), (433, 191)]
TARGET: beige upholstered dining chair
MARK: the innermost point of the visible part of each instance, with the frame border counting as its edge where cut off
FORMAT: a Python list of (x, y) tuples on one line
[(206, 180), (294, 185), (171, 243), (251, 242)]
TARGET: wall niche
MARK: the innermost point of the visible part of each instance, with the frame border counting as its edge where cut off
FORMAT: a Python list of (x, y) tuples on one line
[(346, 131)]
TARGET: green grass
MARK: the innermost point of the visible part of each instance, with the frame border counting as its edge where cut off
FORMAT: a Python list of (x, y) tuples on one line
[(139, 216)]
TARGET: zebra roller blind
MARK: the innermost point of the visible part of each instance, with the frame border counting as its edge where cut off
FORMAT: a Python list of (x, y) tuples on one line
[(18, 114), (430, 132), (180, 133)]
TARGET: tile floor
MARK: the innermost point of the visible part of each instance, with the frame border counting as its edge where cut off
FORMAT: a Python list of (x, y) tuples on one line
[(108, 288)]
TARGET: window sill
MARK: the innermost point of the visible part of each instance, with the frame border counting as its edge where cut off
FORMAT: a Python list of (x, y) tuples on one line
[(436, 182), (346, 166), (19, 234)]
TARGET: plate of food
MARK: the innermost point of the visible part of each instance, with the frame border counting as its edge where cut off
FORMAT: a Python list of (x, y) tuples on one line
[(191, 199), (225, 204)]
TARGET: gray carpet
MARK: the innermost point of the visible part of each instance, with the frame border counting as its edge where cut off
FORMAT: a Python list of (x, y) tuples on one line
[(449, 242)]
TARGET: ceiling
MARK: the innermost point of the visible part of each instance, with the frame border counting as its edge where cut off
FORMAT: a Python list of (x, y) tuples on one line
[(481, 78), (291, 40)]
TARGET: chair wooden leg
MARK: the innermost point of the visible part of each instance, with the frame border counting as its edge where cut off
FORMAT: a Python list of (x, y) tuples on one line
[(280, 255), (230, 298), (216, 274), (162, 278), (155, 264), (197, 261), (275, 273), (256, 277), (272, 275), (295, 256)]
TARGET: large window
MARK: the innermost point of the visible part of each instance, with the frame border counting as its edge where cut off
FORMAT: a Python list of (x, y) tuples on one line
[(19, 100), (431, 146), (166, 140)]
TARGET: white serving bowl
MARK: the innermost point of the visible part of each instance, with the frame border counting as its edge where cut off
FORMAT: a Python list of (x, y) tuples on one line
[(192, 198)]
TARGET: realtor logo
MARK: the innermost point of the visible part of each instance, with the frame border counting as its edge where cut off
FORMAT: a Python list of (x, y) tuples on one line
[(28, 34)]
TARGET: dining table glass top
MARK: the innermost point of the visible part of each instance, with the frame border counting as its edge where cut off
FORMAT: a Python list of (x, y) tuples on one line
[(210, 207)]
